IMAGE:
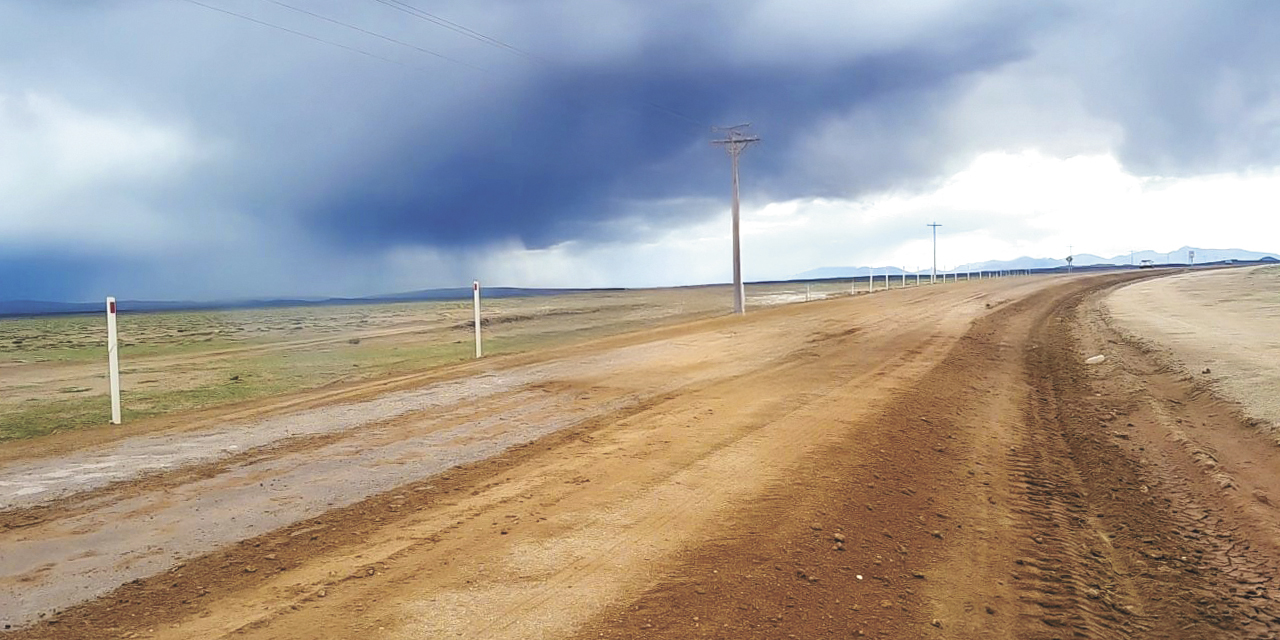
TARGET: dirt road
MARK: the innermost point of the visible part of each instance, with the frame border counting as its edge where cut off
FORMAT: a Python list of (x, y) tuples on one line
[(1221, 328), (916, 463)]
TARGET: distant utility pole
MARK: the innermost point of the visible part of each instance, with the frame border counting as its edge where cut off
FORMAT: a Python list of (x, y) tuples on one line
[(933, 277), (734, 142), (475, 307)]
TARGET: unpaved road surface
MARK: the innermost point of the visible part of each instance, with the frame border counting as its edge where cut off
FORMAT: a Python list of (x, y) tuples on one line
[(1221, 328), (930, 463)]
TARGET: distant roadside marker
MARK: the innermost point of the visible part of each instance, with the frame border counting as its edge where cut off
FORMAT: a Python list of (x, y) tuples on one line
[(475, 303), (113, 360)]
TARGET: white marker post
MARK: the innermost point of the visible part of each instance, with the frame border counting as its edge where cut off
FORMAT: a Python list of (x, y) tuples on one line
[(475, 303), (113, 360)]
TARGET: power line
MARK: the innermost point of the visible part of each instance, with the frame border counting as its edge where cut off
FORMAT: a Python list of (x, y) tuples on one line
[(375, 34), (307, 35), (672, 112), (510, 48), (400, 6), (457, 28)]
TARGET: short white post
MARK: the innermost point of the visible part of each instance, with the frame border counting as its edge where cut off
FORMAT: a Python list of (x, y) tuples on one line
[(886, 278), (475, 303), (806, 293), (113, 360)]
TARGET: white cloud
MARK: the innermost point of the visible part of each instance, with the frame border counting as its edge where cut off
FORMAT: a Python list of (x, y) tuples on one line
[(1002, 206), (72, 176)]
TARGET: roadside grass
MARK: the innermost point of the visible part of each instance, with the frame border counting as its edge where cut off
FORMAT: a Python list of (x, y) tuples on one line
[(175, 362), (241, 380), (246, 379), (44, 418)]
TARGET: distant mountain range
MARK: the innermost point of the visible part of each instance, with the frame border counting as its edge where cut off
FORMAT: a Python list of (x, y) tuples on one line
[(1179, 256), (1203, 256), (850, 272), (37, 307)]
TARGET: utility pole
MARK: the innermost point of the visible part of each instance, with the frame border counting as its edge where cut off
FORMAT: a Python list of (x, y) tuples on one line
[(734, 142), (933, 277)]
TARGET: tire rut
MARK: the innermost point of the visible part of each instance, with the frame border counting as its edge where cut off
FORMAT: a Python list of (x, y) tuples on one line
[(1121, 540)]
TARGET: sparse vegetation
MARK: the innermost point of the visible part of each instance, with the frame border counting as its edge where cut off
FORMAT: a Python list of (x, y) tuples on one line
[(54, 372)]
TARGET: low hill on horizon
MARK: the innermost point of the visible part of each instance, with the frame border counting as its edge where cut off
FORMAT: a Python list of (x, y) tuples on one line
[(46, 307), (42, 307), (1179, 256)]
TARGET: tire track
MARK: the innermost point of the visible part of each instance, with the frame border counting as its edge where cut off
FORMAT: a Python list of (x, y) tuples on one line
[(1125, 537)]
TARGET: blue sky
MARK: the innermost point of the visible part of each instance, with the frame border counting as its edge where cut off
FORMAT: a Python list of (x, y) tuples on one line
[(164, 149)]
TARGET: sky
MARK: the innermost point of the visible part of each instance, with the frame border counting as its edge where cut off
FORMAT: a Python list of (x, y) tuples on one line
[(214, 149)]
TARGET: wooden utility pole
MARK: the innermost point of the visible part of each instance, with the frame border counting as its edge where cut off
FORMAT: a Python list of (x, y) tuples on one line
[(933, 277), (734, 142)]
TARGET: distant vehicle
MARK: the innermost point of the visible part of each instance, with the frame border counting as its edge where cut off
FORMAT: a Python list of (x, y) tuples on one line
[(1147, 264)]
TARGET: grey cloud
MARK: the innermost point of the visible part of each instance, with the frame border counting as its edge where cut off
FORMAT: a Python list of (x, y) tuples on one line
[(341, 160)]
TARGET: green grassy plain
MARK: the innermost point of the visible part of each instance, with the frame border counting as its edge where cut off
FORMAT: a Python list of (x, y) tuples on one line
[(53, 368)]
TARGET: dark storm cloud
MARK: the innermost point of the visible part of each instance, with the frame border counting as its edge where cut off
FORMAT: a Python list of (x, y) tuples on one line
[(37, 275), (555, 164), (274, 161)]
